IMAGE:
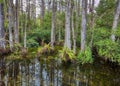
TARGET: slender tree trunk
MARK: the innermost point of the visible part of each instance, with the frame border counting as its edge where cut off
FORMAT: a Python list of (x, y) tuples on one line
[(34, 10), (21, 22), (42, 9), (49, 3), (53, 24), (59, 34), (91, 9), (28, 14), (83, 24), (67, 25), (10, 24), (2, 32), (73, 33), (77, 16), (16, 23), (115, 22), (24, 31), (73, 29), (27, 17)]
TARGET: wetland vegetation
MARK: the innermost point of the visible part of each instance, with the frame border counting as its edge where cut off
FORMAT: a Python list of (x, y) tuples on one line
[(59, 42)]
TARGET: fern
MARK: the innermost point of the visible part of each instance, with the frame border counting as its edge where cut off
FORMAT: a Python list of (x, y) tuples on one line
[(85, 56), (66, 53)]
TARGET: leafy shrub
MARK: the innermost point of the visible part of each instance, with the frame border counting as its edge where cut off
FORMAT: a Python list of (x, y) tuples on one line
[(39, 35), (117, 34), (109, 49), (47, 49), (101, 33), (32, 43), (85, 56), (66, 54)]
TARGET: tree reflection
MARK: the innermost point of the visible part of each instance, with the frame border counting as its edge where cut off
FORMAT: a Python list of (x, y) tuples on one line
[(2, 71), (35, 72)]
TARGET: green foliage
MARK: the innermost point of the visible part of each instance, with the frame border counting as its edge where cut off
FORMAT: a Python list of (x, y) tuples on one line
[(109, 49), (46, 23), (1, 1), (66, 54), (117, 34), (47, 49), (17, 47), (100, 34), (85, 56), (39, 35), (105, 11), (32, 43), (40, 31)]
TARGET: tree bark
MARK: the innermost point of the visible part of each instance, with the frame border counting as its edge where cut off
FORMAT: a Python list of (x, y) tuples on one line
[(73, 29), (10, 23), (49, 3), (67, 25), (115, 21), (77, 16), (42, 9), (53, 24), (92, 17), (83, 24), (16, 23), (2, 32)]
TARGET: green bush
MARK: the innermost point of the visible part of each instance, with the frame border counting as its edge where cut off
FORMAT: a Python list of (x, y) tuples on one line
[(117, 34), (85, 56), (108, 49), (32, 43), (41, 31), (39, 35), (101, 33), (66, 54), (45, 50)]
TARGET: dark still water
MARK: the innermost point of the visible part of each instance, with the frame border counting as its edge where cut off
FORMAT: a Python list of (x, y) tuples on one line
[(36, 72)]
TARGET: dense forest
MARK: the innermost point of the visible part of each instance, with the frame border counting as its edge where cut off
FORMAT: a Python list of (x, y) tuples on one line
[(74, 30)]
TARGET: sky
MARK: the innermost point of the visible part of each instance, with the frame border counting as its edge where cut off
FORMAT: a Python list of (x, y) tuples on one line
[(97, 2)]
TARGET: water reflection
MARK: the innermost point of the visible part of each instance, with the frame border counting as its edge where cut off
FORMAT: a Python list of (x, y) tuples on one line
[(36, 72), (2, 71)]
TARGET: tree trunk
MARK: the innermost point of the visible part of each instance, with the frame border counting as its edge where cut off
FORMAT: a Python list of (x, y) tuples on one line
[(2, 33), (49, 3), (25, 35), (77, 16), (83, 24), (91, 10), (53, 24), (73, 29), (16, 23), (67, 25), (115, 22), (10, 24), (42, 9)]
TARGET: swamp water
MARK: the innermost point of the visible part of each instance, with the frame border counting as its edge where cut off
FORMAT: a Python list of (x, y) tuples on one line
[(43, 72)]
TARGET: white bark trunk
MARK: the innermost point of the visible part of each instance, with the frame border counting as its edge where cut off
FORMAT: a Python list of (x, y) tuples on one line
[(83, 25), (25, 44), (73, 32), (16, 30), (2, 40), (115, 22), (53, 24), (10, 24), (67, 25)]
